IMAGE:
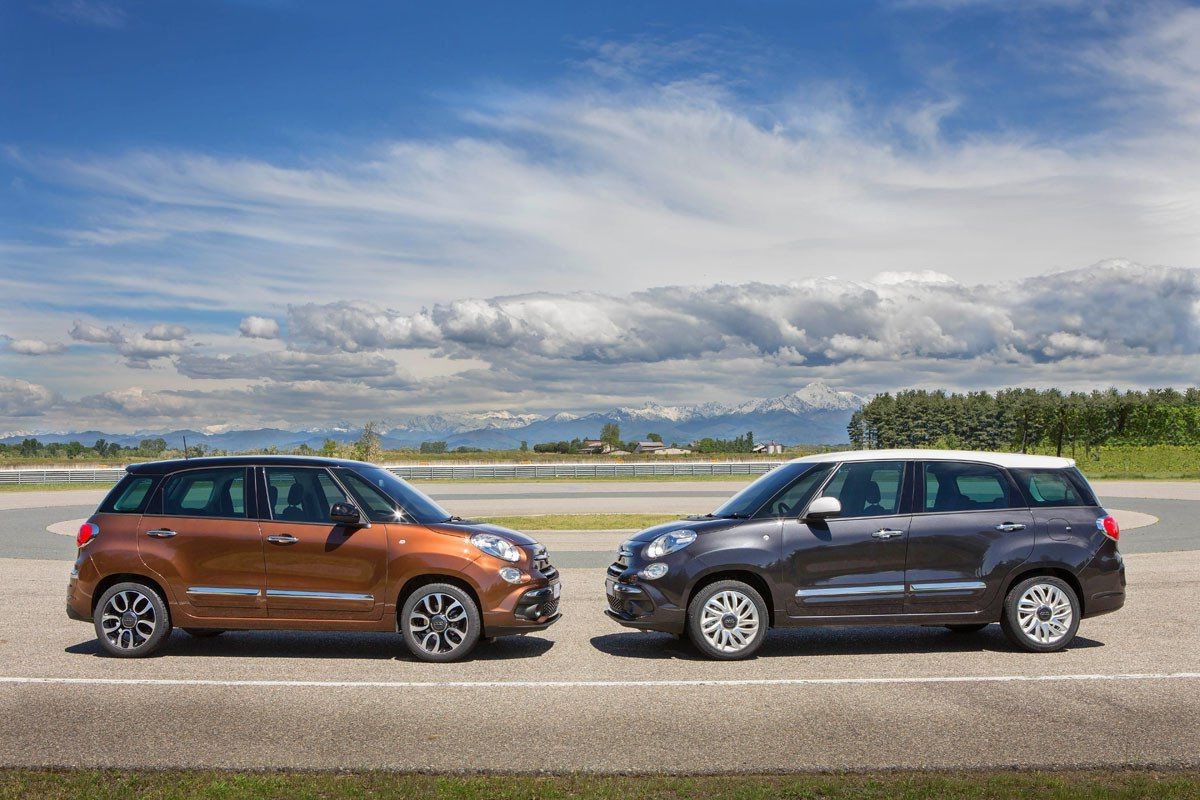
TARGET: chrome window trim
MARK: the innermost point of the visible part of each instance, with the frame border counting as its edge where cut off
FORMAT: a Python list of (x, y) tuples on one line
[(848, 591), (947, 586), (318, 595), (230, 591)]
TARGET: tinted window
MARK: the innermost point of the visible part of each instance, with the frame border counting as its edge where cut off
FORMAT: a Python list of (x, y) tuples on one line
[(129, 496), (1053, 487), (951, 486), (749, 500), (299, 494), (205, 493), (379, 507), (795, 498), (415, 503), (867, 488)]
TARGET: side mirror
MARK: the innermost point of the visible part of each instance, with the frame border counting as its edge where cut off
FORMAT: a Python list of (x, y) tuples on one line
[(345, 514), (823, 508)]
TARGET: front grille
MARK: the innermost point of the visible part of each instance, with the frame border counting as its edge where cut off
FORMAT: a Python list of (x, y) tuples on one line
[(616, 604), (541, 562), (549, 608)]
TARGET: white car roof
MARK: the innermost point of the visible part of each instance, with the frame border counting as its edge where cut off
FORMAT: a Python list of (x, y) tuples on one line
[(998, 459)]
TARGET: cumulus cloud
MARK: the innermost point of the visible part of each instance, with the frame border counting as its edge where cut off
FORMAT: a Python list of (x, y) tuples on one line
[(167, 333), (87, 332), (287, 365), (20, 398), (32, 347), (1115, 307), (138, 402), (259, 328), (139, 349)]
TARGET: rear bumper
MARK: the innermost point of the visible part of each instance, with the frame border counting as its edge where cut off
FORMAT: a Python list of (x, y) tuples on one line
[(1103, 582)]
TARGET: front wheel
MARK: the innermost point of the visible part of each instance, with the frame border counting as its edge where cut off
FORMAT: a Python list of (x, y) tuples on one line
[(727, 620), (131, 620), (1041, 614), (440, 622)]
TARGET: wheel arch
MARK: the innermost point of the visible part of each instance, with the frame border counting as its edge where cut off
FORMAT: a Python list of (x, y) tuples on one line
[(1033, 571), (417, 581), (108, 581), (744, 574)]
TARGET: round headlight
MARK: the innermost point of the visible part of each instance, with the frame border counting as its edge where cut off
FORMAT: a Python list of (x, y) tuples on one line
[(652, 572), (511, 574), (669, 543), (496, 546)]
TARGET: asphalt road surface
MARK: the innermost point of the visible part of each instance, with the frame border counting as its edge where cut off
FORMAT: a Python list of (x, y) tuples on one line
[(590, 695)]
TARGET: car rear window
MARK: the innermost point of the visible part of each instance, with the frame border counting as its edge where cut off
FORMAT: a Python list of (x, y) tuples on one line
[(1047, 488), (205, 493), (962, 486), (129, 496)]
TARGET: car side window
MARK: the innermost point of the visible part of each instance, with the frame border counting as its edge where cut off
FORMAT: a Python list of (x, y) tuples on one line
[(129, 496), (794, 499), (205, 493), (1047, 488), (961, 486), (301, 494), (379, 507), (867, 488)]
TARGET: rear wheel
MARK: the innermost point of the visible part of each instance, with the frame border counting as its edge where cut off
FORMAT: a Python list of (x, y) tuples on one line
[(1041, 614), (440, 622), (131, 620), (727, 620), (203, 633), (972, 628)]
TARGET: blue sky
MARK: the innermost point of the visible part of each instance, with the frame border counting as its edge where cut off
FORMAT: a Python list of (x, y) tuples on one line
[(269, 212)]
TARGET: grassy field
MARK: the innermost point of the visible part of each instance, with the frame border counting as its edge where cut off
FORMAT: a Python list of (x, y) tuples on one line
[(581, 522), (43, 487), (1161, 462), (203, 785)]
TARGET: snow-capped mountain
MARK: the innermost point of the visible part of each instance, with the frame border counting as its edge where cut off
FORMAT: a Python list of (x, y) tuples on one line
[(813, 414)]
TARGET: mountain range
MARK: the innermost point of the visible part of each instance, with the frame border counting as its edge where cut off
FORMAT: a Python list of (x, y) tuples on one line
[(814, 414)]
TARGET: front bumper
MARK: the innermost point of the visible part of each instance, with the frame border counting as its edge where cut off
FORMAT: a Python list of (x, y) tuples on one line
[(535, 610), (643, 607)]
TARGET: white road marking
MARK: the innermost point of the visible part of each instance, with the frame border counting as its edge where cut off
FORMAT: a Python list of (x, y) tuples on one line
[(1141, 676)]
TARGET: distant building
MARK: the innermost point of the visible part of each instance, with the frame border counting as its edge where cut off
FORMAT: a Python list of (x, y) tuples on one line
[(768, 448), (595, 447), (648, 447)]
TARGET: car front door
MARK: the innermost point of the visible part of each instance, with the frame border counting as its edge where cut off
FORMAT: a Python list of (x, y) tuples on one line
[(970, 529), (317, 569), (851, 564), (198, 534)]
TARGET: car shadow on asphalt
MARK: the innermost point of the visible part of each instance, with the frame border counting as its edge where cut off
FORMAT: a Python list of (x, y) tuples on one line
[(847, 641), (302, 644)]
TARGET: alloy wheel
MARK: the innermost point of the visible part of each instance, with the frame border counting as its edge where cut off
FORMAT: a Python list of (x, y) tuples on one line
[(438, 623), (128, 620)]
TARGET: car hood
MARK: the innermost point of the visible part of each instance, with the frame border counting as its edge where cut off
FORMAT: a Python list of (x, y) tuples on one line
[(699, 524), (468, 529)]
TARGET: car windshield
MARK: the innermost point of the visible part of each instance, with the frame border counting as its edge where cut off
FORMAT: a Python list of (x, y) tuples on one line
[(418, 505), (745, 503)]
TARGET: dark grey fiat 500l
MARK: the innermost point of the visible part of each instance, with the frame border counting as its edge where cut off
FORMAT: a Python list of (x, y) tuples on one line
[(924, 537)]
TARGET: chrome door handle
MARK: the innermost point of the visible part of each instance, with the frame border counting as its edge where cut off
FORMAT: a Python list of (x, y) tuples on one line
[(282, 538), (1009, 527), (161, 533), (887, 533)]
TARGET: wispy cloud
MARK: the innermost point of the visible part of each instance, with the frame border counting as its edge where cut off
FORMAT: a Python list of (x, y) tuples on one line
[(98, 13)]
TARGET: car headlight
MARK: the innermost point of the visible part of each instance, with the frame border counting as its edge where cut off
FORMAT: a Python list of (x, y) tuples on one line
[(669, 543), (652, 572), (496, 546)]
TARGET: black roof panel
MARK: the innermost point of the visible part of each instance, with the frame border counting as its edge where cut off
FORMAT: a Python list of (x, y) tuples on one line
[(161, 467)]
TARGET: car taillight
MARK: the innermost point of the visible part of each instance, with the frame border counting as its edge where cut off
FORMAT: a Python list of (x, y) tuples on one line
[(1109, 527), (87, 532)]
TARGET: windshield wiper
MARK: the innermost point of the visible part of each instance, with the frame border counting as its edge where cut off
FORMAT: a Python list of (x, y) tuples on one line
[(454, 518), (734, 516)]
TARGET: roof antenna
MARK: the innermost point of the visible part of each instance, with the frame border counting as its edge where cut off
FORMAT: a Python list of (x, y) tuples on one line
[(185, 455)]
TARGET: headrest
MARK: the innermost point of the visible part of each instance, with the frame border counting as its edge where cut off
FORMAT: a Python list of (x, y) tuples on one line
[(872, 492), (295, 495)]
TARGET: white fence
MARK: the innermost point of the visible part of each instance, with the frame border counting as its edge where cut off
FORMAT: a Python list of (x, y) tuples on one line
[(598, 469)]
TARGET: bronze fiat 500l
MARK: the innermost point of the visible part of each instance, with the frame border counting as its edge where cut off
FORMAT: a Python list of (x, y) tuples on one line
[(881, 537), (256, 543)]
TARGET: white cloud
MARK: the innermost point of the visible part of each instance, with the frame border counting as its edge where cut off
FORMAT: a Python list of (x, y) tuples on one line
[(287, 365), (87, 332), (167, 333), (32, 347), (259, 328), (137, 402), (20, 398), (139, 349)]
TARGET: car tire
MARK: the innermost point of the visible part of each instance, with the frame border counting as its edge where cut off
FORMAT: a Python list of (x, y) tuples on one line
[(131, 620), (1041, 614), (440, 622), (727, 620), (203, 633), (974, 627)]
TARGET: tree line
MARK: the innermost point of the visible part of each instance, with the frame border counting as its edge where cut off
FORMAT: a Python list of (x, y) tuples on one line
[(30, 447), (1026, 420)]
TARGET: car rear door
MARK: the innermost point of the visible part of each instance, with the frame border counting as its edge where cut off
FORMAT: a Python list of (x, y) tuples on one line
[(198, 534), (852, 564), (970, 530), (316, 569)]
